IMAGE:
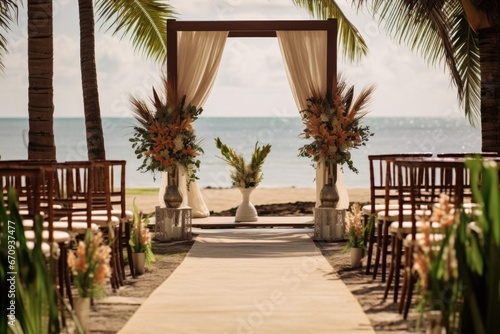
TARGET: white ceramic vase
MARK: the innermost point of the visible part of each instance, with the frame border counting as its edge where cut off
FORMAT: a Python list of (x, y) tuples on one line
[(356, 255), (139, 259), (81, 306), (246, 211)]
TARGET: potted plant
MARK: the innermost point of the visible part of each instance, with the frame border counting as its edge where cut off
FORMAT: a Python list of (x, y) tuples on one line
[(140, 241), (245, 176), (355, 233), (89, 264)]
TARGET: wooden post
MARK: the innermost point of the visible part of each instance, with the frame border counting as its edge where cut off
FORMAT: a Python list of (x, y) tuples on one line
[(172, 53), (331, 57)]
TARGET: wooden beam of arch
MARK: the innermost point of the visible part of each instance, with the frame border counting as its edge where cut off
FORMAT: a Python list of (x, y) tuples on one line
[(254, 29)]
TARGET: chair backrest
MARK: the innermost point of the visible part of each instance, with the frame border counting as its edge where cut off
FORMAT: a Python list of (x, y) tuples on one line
[(429, 178), (383, 181), (27, 183)]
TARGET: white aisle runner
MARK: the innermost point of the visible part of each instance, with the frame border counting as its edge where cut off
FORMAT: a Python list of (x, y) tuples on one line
[(251, 281)]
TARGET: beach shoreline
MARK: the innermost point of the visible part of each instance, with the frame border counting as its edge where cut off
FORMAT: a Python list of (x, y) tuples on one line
[(222, 199)]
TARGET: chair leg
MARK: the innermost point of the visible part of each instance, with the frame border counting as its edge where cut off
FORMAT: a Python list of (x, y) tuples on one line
[(371, 240), (66, 272), (411, 286), (385, 245), (405, 285), (392, 266), (397, 252), (379, 250)]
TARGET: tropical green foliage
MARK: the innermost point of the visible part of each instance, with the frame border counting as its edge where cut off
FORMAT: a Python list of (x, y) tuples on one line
[(353, 45), (140, 238), (244, 175), (478, 250), (440, 32), (32, 297), (8, 9), (144, 20)]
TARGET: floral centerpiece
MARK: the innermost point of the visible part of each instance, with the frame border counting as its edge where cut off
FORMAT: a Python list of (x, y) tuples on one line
[(354, 230), (165, 135), (244, 175), (334, 125), (89, 265), (140, 237)]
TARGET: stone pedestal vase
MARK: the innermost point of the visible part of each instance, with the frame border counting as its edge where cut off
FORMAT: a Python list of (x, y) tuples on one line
[(329, 195), (139, 260), (172, 196), (356, 255), (246, 211), (81, 306)]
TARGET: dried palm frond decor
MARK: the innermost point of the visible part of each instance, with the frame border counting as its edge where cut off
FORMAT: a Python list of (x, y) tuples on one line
[(333, 122), (245, 176), (165, 138)]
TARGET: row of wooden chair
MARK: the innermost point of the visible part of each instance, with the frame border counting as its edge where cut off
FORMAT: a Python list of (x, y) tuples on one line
[(73, 197), (403, 188)]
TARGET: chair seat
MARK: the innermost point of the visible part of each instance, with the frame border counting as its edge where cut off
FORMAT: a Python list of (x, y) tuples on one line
[(76, 227), (367, 209), (436, 239), (59, 236), (393, 215), (101, 221), (406, 228), (115, 213), (45, 247)]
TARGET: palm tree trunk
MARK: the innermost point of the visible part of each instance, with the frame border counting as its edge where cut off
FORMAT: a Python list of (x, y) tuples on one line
[(489, 48), (40, 78), (93, 122)]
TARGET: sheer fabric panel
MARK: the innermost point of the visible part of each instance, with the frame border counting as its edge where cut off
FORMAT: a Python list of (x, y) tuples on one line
[(198, 57), (304, 54)]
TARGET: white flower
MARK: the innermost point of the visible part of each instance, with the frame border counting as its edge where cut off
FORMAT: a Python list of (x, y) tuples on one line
[(179, 143)]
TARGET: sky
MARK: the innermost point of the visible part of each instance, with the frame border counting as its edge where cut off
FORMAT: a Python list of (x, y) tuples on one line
[(251, 80)]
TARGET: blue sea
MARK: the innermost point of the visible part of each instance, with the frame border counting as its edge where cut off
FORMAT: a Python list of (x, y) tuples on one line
[(283, 168)]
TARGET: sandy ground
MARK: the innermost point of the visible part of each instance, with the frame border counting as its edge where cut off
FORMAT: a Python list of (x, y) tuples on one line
[(110, 314), (224, 199)]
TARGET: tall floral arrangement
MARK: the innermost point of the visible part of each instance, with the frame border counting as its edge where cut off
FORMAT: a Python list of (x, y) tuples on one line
[(334, 125), (89, 264), (165, 135), (244, 175), (140, 237), (354, 229)]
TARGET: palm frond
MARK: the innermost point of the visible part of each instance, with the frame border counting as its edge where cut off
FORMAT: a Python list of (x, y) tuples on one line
[(8, 13), (466, 48), (351, 41), (144, 20)]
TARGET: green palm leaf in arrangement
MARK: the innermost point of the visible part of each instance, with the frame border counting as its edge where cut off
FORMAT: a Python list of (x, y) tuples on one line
[(244, 175)]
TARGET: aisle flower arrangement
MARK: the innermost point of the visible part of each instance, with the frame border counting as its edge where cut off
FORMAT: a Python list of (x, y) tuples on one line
[(89, 264), (244, 175), (354, 230), (334, 125), (165, 135), (140, 236)]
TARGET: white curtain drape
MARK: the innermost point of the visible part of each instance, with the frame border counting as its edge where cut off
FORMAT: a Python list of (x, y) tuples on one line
[(198, 57), (304, 54)]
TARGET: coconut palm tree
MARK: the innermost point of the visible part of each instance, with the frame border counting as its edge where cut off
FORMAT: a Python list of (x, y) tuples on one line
[(464, 35), (145, 21), (40, 79)]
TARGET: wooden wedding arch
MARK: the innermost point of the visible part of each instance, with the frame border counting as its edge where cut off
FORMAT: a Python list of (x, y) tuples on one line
[(258, 29), (254, 29)]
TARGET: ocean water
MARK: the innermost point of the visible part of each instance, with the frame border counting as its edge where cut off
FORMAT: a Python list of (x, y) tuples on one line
[(283, 168)]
